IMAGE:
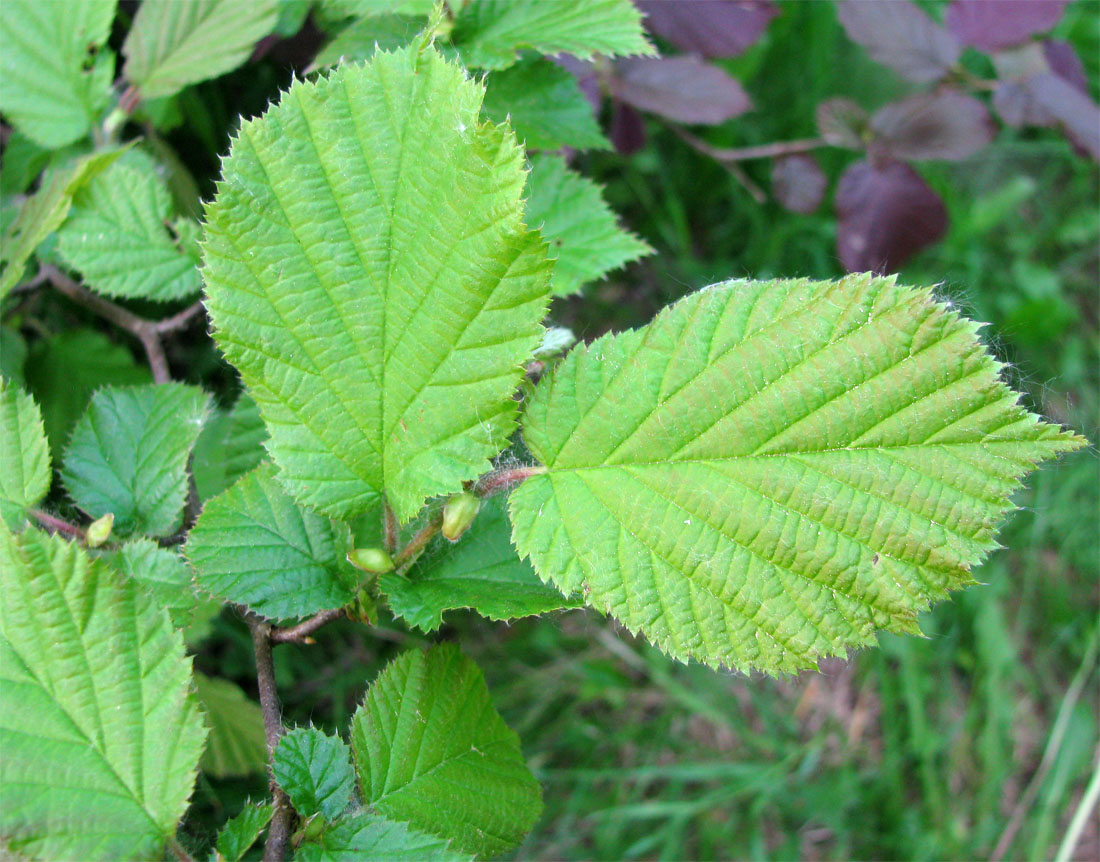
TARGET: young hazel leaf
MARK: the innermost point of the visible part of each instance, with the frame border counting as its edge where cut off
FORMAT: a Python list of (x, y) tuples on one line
[(25, 472), (101, 735), (771, 471), (128, 455), (315, 771), (55, 75), (116, 235), (253, 545), (363, 36), (570, 213), (240, 832), (237, 745), (368, 835), (428, 727), (899, 34), (489, 33), (369, 273), (163, 574), (482, 571), (173, 44), (993, 25), (231, 444), (684, 89), (945, 124)]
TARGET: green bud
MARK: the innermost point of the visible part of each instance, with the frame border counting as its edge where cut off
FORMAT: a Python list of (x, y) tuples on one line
[(374, 560), (99, 531), (459, 513)]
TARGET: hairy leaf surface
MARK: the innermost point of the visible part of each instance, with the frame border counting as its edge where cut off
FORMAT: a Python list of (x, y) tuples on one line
[(369, 273), (173, 44), (771, 471), (583, 232), (315, 771), (128, 455), (237, 745), (100, 733), (367, 835), (489, 33), (253, 545), (25, 472), (163, 574), (427, 727), (363, 36)]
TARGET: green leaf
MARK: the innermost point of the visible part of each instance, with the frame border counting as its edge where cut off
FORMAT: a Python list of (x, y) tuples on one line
[(488, 33), (45, 210), (771, 471), (571, 215), (13, 355), (252, 545), (427, 728), (231, 444), (23, 161), (117, 236), (369, 274), (56, 77), (25, 472), (367, 835), (237, 745), (481, 571), (363, 36), (173, 44), (128, 455), (64, 370), (545, 106), (101, 736), (240, 833), (315, 771)]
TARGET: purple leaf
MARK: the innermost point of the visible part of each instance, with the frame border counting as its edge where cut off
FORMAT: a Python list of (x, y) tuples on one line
[(945, 124), (713, 28), (684, 89), (1074, 111), (993, 25), (885, 213), (627, 128), (902, 36), (585, 73), (1064, 62), (842, 123), (798, 183)]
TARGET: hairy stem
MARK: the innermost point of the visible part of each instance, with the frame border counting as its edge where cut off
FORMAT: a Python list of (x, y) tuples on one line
[(390, 531), (502, 480), (278, 834), (178, 851), (301, 632), (57, 525), (408, 554)]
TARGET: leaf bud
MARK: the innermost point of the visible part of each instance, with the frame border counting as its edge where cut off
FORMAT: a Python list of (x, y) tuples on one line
[(99, 531), (374, 560), (458, 513)]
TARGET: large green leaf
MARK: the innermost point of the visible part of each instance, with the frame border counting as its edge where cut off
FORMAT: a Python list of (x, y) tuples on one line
[(369, 273), (367, 835), (25, 472), (117, 236), (544, 105), (99, 731), (128, 455), (315, 771), (488, 33), (771, 471), (481, 571), (237, 744), (53, 82), (431, 750), (231, 444), (254, 546), (173, 44), (583, 233)]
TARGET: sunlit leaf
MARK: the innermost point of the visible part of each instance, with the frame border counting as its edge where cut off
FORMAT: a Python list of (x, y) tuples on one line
[(368, 835), (25, 472)]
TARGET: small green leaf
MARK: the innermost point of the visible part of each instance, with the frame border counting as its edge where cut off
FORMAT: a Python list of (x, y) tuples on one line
[(482, 571), (173, 44), (377, 289), (363, 36), (315, 771), (427, 727), (252, 545), (583, 232), (240, 833), (101, 735), (488, 33), (771, 471), (128, 455), (25, 472), (13, 355), (237, 745), (545, 106), (231, 444), (56, 77), (45, 210), (367, 835), (116, 235)]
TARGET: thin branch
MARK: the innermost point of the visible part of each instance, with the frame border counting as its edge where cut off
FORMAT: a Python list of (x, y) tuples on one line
[(502, 480), (57, 525), (301, 632), (278, 835), (178, 320), (408, 554), (742, 154), (178, 851)]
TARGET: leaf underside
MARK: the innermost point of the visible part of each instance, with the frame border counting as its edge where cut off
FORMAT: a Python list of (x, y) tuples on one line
[(99, 730), (369, 274), (771, 471)]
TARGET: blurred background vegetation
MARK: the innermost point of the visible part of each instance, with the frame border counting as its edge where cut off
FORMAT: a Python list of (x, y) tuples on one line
[(974, 742)]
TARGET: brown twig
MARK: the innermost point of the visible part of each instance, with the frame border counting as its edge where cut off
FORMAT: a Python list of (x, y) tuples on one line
[(742, 154), (178, 320), (278, 834), (57, 525), (178, 851), (408, 554), (301, 632)]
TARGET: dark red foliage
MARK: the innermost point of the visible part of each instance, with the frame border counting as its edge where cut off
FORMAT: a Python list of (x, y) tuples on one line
[(798, 183), (993, 25), (712, 28), (683, 88), (944, 124), (900, 35)]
